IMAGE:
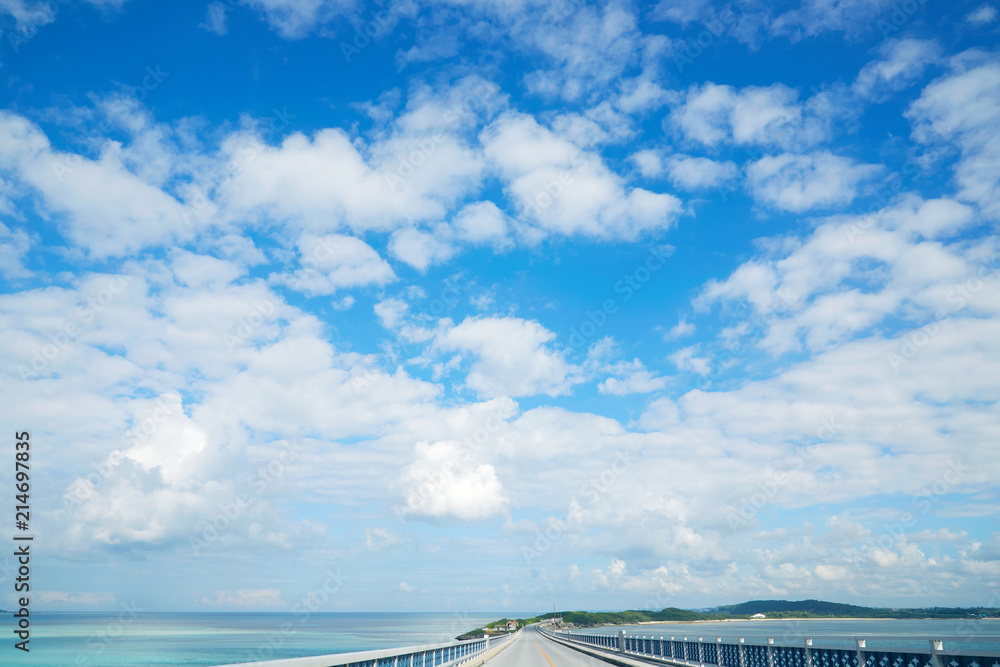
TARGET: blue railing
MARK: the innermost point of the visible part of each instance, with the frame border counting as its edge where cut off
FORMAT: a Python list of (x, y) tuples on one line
[(428, 655), (689, 653)]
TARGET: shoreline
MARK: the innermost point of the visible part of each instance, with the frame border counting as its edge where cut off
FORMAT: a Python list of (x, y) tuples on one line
[(765, 620)]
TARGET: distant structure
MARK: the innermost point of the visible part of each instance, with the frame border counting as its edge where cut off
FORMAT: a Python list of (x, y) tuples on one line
[(759, 616), (511, 625)]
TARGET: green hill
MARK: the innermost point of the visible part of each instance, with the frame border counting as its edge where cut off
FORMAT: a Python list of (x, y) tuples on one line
[(744, 610), (811, 607), (820, 609)]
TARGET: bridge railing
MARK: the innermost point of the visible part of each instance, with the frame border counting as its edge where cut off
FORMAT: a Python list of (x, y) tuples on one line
[(428, 655), (689, 653)]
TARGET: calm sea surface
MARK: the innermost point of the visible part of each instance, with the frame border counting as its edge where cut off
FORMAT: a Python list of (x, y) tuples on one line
[(143, 639), (971, 635)]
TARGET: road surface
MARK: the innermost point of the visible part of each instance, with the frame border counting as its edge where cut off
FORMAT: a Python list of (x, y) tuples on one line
[(533, 649)]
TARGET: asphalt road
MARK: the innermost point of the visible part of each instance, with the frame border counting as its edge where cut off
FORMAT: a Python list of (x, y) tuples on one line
[(533, 649)]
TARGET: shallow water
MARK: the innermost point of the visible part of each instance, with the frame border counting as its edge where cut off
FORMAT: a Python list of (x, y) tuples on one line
[(187, 639)]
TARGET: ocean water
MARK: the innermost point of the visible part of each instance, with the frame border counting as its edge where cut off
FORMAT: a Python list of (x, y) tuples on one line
[(124, 639), (960, 635)]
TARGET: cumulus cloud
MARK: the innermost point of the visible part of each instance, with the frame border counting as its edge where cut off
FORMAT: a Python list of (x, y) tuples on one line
[(983, 15), (806, 291), (419, 249), (814, 17), (294, 19), (336, 261), (101, 205), (444, 481), (961, 108), (216, 19), (14, 245), (246, 598), (680, 330), (649, 162), (901, 62), (483, 223), (696, 173), (631, 378), (566, 191), (714, 115), (82, 600), (799, 183), (512, 357)]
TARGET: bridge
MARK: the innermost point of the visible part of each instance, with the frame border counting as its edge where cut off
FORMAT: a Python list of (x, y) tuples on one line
[(537, 646)]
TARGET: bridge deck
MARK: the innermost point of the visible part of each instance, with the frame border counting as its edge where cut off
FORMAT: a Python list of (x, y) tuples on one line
[(533, 649)]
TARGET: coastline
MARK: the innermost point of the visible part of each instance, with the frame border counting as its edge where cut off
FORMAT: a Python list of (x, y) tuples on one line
[(765, 620)]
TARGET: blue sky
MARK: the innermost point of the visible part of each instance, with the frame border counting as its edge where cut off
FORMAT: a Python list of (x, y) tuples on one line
[(475, 304)]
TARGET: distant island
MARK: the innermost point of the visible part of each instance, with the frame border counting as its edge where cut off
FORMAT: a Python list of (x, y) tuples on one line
[(743, 611)]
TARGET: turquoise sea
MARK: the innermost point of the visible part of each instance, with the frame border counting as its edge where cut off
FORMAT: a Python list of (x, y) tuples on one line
[(965, 635), (130, 639)]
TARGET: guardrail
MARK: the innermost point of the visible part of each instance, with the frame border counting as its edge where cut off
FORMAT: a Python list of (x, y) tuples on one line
[(427, 655), (700, 653)]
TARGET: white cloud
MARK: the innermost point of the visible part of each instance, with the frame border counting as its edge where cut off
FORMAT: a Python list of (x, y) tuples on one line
[(814, 17), (246, 598), (317, 184), (14, 245), (695, 173), (512, 357), (482, 223), (102, 206), (377, 539), (963, 108), (588, 47), (28, 15), (567, 191), (215, 19), (191, 270), (293, 19), (419, 249), (641, 95), (649, 162), (84, 600), (336, 261), (444, 482), (984, 15), (681, 11), (799, 183), (901, 63), (633, 378), (713, 115), (686, 360), (680, 330), (812, 290), (406, 588)]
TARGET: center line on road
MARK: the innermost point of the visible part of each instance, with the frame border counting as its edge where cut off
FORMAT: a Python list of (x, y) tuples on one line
[(543, 655)]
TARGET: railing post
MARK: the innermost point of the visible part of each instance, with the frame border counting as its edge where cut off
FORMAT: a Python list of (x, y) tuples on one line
[(861, 651), (742, 650), (661, 646), (718, 650), (809, 652), (770, 652), (621, 641), (701, 652), (937, 647)]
